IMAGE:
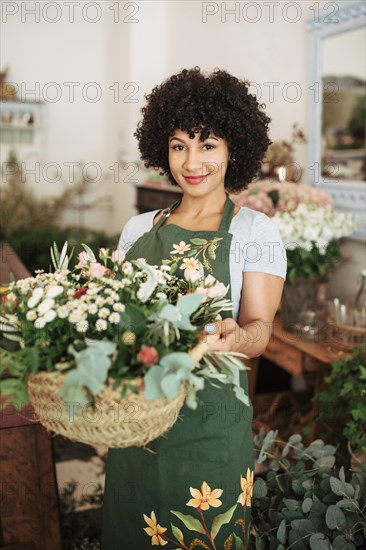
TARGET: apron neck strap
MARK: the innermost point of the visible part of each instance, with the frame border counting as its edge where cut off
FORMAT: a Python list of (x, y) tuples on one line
[(166, 213), (225, 220), (227, 215)]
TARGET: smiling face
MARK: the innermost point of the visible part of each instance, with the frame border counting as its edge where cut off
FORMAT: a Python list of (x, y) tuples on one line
[(198, 165)]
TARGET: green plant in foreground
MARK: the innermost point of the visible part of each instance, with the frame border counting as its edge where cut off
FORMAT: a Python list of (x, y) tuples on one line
[(343, 402), (305, 501)]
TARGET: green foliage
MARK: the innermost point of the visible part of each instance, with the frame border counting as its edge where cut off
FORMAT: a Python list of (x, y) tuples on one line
[(306, 501), (80, 530), (304, 263), (33, 245), (31, 224), (342, 403)]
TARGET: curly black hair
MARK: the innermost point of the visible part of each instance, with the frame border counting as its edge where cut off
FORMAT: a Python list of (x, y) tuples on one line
[(196, 103)]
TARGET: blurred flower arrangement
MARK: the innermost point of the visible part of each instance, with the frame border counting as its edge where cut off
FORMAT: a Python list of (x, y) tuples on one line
[(114, 320), (311, 236), (308, 223), (271, 197)]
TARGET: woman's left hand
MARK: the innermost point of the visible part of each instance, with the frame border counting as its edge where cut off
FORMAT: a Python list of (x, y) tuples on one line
[(231, 335)]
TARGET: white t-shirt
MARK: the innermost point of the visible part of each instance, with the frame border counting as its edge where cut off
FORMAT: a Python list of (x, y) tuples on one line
[(256, 246)]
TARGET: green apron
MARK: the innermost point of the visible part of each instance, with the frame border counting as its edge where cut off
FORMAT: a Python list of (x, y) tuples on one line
[(212, 443)]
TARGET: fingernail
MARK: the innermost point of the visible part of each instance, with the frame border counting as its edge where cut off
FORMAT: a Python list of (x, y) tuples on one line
[(211, 329)]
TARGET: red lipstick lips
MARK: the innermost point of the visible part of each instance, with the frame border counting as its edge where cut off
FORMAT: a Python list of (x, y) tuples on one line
[(195, 179)]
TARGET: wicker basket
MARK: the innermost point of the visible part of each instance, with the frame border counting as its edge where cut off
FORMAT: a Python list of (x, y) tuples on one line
[(114, 422), (346, 336)]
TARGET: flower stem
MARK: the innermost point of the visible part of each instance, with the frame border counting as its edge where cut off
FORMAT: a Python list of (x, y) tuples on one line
[(205, 526), (181, 544)]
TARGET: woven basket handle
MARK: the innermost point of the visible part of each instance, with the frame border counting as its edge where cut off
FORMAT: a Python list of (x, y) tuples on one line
[(198, 351)]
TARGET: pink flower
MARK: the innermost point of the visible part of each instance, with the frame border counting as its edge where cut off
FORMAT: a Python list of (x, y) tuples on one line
[(84, 259), (219, 289), (118, 255), (97, 270), (148, 355), (192, 275)]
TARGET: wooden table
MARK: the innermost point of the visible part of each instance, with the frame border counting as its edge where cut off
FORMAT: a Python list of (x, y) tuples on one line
[(296, 355), (304, 359)]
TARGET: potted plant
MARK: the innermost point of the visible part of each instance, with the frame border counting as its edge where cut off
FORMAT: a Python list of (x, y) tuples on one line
[(342, 404), (305, 500), (311, 235)]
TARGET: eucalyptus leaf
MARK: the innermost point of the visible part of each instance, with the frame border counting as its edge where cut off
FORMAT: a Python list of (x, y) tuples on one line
[(152, 380), (319, 541), (189, 303), (281, 532), (335, 518), (170, 385)]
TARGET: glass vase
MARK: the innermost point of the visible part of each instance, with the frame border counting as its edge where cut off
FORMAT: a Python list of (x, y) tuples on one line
[(298, 298)]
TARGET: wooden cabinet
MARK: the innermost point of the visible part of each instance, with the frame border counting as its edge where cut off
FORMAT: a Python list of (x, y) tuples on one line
[(156, 196), (29, 511)]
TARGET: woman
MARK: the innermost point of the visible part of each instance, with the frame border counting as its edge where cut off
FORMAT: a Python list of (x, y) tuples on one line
[(208, 134)]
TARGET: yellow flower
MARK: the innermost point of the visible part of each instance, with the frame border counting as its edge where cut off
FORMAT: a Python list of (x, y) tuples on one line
[(247, 487), (154, 530), (189, 263), (205, 498), (180, 248)]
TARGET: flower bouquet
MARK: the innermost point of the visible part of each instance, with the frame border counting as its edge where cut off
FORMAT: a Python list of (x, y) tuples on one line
[(109, 351), (271, 197), (311, 236)]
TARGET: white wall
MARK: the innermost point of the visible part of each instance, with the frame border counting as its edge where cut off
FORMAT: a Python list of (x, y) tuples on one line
[(150, 41)]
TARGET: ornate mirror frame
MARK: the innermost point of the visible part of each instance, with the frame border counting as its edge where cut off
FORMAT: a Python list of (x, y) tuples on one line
[(334, 18)]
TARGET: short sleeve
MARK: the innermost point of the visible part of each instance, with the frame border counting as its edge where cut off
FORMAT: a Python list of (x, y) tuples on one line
[(135, 228), (265, 251), (126, 239)]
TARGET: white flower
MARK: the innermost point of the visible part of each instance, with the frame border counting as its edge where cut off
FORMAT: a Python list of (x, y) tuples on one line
[(93, 308), (44, 306), (31, 315), (76, 316), (50, 315), (127, 268), (35, 298), (103, 253), (118, 256), (54, 290), (40, 322), (104, 312), (119, 307), (62, 312), (101, 324), (114, 318), (100, 301), (82, 326)]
